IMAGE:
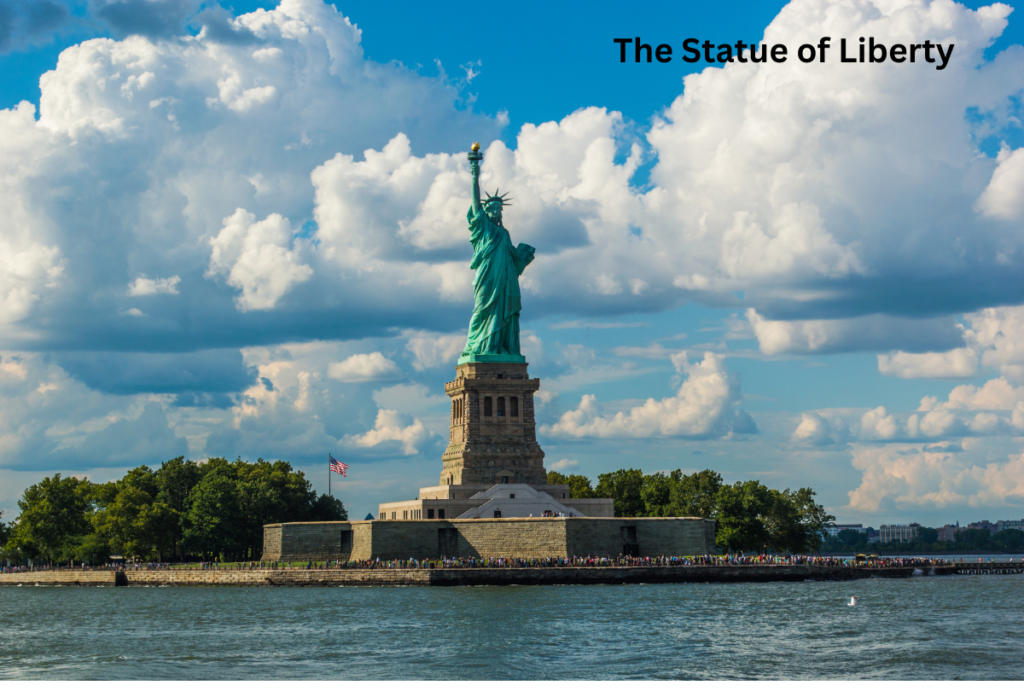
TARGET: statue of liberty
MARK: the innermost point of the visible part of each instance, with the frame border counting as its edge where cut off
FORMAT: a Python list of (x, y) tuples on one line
[(494, 326)]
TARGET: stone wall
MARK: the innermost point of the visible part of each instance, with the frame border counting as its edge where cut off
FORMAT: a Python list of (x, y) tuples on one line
[(59, 578), (510, 537), (488, 537), (304, 541), (477, 576), (651, 536), (402, 539)]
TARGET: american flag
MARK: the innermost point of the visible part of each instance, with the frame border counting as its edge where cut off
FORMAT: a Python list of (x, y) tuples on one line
[(337, 466)]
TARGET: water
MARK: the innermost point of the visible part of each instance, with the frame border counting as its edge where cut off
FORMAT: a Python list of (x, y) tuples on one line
[(954, 627)]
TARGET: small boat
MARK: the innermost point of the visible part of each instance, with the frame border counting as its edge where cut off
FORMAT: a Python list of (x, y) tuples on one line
[(852, 602)]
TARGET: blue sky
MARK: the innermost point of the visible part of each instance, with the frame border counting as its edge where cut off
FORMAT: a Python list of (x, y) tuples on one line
[(241, 233)]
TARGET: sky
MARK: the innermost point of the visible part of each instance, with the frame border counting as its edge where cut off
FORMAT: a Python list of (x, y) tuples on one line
[(238, 230)]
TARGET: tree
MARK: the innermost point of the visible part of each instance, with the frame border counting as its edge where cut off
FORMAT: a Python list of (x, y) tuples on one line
[(973, 539), (93, 549), (141, 478), (5, 534), (579, 485), (625, 487), (696, 495), (1009, 540), (215, 522), (781, 518), (135, 525), (847, 541), (741, 508), (656, 492), (5, 530), (328, 508), (813, 518), (274, 493), (54, 518), (175, 481)]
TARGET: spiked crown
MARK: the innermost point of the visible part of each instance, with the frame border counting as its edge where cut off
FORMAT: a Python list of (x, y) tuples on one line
[(500, 198)]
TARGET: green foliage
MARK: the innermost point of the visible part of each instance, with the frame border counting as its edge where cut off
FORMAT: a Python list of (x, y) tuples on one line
[(695, 495), (743, 519), (813, 518), (927, 540), (847, 541), (750, 516), (54, 519), (135, 525), (217, 508), (579, 485), (974, 539), (175, 481), (215, 522), (1009, 540), (5, 533), (626, 488), (132, 520), (656, 493), (92, 549), (327, 508)]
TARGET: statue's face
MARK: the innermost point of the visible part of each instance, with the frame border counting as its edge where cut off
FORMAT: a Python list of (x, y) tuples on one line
[(493, 210)]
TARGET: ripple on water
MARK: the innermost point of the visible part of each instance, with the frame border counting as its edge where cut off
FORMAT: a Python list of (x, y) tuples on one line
[(901, 629)]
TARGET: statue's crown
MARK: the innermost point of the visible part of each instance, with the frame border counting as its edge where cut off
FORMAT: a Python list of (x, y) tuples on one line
[(500, 198)]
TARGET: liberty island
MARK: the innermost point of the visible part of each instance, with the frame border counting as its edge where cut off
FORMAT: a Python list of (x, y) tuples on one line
[(493, 498)]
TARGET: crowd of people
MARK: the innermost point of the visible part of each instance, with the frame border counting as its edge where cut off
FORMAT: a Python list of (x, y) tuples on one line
[(600, 561), (717, 560)]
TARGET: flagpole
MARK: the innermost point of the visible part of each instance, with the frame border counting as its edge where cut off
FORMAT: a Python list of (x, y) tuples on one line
[(329, 476)]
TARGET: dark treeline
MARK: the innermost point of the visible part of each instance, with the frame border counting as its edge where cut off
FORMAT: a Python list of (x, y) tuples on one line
[(749, 516), (927, 542), (215, 509)]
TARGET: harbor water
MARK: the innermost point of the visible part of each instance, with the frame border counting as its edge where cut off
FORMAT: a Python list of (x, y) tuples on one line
[(953, 627)]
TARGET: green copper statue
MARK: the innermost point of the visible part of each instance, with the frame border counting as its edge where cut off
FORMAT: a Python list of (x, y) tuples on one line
[(494, 326)]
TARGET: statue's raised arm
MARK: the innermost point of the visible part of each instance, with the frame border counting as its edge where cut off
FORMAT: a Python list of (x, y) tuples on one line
[(474, 168), (494, 326)]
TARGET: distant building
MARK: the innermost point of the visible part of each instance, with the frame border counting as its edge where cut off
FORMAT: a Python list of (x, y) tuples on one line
[(898, 533), (947, 533), (834, 530), (1010, 525), (984, 525), (872, 535)]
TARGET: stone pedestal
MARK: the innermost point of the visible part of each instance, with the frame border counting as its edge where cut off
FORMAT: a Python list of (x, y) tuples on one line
[(493, 438)]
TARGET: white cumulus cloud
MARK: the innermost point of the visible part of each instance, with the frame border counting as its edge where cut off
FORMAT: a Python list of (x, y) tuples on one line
[(390, 427), (909, 477), (815, 429), (705, 406), (364, 367), (1004, 196), (952, 364), (870, 332), (431, 350), (154, 286), (564, 464), (256, 257)]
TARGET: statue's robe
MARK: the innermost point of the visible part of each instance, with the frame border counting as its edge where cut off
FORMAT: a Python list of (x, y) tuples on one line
[(494, 326)]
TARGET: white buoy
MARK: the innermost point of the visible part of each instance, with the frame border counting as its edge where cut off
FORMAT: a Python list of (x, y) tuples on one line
[(852, 602)]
